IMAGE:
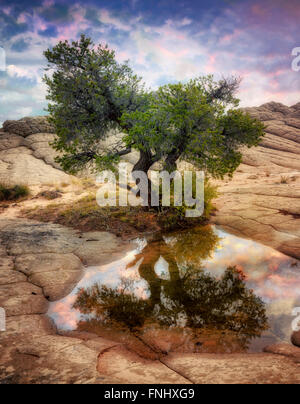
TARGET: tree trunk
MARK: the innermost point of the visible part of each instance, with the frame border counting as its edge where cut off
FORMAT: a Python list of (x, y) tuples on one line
[(144, 164), (170, 162), (174, 155)]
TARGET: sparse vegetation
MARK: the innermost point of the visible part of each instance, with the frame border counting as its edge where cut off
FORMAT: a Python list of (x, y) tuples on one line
[(174, 217), (13, 193), (284, 180), (50, 195), (86, 215)]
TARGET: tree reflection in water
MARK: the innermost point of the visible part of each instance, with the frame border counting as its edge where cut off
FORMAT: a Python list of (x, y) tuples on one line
[(189, 299)]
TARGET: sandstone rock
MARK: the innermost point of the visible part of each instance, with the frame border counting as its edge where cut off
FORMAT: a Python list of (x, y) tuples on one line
[(40, 144), (276, 107), (100, 344), (24, 305), (31, 264), (82, 335), (9, 276), (10, 141), (28, 126), (44, 254), (53, 360), (22, 168), (285, 350), (130, 368), (296, 338), (235, 368), (31, 352), (42, 346), (6, 263), (23, 237), (30, 325), (26, 156), (267, 209), (99, 248), (19, 289), (56, 284)]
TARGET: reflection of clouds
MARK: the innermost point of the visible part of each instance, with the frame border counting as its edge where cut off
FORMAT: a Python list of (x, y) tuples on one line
[(282, 306), (66, 317), (273, 276), (162, 269), (62, 313), (267, 271)]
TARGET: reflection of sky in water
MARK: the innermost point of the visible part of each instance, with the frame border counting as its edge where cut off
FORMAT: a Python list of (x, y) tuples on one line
[(61, 311), (273, 276)]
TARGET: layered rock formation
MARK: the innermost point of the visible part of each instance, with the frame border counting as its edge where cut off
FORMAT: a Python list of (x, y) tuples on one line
[(40, 263), (26, 158), (34, 256), (262, 201)]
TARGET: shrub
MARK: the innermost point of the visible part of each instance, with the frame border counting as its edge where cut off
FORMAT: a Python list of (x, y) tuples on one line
[(13, 193), (174, 217)]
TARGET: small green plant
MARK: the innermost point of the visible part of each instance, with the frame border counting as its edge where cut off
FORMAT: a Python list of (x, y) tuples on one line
[(13, 193)]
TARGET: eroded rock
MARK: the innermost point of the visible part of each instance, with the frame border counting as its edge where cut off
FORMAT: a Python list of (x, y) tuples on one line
[(130, 368), (262, 201), (28, 126), (235, 368), (31, 264), (99, 247), (23, 237)]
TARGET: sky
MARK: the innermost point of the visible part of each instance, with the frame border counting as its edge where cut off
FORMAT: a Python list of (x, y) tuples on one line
[(164, 40)]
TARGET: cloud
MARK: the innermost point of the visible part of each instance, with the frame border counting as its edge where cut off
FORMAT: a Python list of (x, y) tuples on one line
[(251, 39), (9, 26), (15, 71), (20, 45), (50, 31)]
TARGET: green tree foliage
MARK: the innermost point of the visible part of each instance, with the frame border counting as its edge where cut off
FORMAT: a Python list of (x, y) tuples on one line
[(91, 93)]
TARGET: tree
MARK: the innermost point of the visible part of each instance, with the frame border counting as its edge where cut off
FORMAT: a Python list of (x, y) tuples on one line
[(91, 93)]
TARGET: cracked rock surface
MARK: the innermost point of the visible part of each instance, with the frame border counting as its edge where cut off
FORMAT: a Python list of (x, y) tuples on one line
[(38, 263), (262, 201), (42, 262), (32, 351)]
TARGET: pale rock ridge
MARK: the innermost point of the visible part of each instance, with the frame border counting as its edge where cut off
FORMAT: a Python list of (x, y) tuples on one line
[(26, 157), (262, 201)]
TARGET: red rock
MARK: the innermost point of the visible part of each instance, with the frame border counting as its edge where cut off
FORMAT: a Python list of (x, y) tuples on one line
[(296, 338)]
